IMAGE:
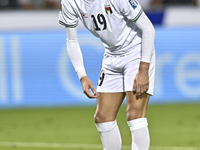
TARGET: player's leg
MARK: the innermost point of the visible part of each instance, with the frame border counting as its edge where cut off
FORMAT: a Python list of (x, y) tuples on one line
[(136, 106), (136, 116), (108, 105)]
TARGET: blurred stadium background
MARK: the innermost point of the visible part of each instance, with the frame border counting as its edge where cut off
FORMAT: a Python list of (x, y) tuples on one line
[(41, 101)]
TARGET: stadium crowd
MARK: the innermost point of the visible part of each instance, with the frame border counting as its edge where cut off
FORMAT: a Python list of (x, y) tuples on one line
[(54, 4)]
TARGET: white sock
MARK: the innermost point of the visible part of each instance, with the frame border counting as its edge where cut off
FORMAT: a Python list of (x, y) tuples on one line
[(110, 135), (140, 134)]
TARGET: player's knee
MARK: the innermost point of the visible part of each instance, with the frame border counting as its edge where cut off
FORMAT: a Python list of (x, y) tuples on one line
[(134, 114), (100, 118)]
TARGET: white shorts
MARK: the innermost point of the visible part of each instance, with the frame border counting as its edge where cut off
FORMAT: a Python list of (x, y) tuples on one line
[(118, 73)]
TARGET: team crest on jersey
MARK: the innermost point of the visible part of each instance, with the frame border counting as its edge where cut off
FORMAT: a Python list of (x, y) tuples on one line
[(133, 3), (108, 9)]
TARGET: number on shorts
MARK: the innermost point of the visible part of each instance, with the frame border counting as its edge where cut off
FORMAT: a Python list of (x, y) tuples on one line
[(101, 78)]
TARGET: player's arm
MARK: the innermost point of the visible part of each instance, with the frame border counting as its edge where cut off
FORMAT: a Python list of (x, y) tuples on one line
[(148, 37), (75, 55), (141, 82)]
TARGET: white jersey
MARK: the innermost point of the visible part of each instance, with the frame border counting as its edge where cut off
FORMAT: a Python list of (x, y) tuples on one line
[(110, 20)]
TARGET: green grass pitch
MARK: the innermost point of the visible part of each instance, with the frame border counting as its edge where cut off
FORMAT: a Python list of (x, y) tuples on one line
[(176, 125)]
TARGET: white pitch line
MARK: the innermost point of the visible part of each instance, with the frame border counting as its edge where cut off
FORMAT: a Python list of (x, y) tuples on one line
[(83, 146), (173, 148), (50, 145)]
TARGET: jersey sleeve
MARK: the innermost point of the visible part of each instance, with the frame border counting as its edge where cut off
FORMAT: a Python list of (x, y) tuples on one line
[(67, 15), (131, 9)]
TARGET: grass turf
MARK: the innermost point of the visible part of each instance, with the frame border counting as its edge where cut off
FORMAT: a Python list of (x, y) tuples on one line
[(169, 125)]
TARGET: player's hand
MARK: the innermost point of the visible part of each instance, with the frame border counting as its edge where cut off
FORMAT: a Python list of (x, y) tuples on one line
[(86, 85), (141, 81)]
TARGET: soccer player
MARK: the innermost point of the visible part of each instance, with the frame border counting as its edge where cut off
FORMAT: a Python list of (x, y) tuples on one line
[(128, 66)]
